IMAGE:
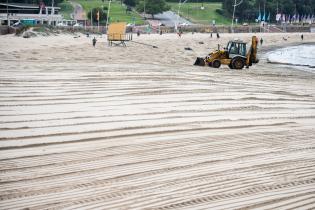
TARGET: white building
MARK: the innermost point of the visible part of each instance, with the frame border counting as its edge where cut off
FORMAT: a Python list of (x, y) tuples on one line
[(13, 12)]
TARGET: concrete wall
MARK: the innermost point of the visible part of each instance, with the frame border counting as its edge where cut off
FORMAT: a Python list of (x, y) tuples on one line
[(224, 29), (6, 30)]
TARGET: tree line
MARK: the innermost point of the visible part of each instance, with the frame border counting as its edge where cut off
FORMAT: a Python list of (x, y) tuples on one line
[(250, 9)]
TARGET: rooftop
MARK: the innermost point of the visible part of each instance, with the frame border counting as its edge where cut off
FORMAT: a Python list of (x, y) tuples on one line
[(21, 5)]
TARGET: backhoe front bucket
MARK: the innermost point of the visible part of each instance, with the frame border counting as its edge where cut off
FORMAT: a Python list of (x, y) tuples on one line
[(200, 62)]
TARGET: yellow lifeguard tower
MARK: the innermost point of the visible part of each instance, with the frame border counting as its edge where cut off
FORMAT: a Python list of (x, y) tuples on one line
[(117, 33)]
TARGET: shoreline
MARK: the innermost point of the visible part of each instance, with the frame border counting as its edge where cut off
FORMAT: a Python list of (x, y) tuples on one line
[(277, 47), (298, 65)]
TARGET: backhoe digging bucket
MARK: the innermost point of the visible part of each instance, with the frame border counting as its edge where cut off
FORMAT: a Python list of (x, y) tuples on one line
[(200, 62)]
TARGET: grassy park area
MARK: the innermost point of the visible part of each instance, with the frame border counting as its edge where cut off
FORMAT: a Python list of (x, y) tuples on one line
[(190, 11), (194, 13), (117, 11)]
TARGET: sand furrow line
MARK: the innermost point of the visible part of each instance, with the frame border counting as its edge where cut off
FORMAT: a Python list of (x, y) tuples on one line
[(200, 166), (262, 188), (248, 153), (86, 146), (116, 131)]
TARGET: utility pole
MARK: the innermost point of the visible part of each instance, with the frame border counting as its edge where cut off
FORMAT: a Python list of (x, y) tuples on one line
[(110, 1), (8, 21), (52, 12), (144, 1), (235, 5), (92, 18), (179, 5)]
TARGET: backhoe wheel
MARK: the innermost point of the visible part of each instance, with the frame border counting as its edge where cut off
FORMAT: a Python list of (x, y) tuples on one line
[(216, 64), (238, 63), (231, 66)]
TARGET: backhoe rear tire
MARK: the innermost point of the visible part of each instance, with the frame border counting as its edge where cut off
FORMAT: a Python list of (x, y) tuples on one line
[(238, 63), (231, 66)]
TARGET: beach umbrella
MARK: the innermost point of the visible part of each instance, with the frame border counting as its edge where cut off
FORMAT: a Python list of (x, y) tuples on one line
[(268, 19)]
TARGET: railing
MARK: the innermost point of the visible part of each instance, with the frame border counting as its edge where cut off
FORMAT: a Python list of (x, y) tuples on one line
[(30, 16), (119, 37)]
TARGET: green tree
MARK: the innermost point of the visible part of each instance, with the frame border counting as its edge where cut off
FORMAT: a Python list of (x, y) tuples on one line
[(131, 3), (242, 11), (249, 9), (153, 7)]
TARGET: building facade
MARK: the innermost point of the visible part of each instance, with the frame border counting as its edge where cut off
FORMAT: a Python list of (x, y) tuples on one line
[(40, 14)]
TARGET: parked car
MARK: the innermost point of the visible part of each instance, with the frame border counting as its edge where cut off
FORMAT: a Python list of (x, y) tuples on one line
[(17, 24), (183, 24), (61, 24), (78, 25)]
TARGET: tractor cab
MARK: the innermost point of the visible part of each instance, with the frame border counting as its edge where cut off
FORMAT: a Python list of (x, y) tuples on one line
[(236, 48)]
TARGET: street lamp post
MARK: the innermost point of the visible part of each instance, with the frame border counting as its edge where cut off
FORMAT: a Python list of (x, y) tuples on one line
[(235, 5), (179, 5)]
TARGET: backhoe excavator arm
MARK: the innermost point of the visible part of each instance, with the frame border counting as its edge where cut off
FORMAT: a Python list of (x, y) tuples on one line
[(251, 56)]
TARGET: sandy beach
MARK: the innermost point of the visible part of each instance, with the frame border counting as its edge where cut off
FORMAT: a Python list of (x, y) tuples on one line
[(142, 128)]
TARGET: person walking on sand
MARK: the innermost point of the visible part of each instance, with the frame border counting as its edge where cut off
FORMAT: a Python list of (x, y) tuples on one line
[(261, 41), (218, 35), (302, 37), (94, 41)]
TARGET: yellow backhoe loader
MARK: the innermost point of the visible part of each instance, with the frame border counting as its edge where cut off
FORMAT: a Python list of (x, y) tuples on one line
[(235, 55)]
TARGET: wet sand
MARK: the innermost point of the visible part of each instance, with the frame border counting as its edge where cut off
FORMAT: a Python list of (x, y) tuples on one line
[(141, 128)]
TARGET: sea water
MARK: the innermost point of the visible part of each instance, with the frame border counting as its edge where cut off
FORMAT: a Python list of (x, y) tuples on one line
[(302, 57)]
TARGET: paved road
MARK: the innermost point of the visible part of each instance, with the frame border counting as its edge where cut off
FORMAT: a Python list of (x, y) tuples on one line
[(169, 18)]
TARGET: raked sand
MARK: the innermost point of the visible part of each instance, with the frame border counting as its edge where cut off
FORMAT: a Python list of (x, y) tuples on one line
[(141, 128)]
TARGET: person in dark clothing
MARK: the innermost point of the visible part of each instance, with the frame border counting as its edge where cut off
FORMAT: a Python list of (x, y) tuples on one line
[(94, 41), (261, 41), (218, 35), (138, 33), (211, 35), (302, 37)]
